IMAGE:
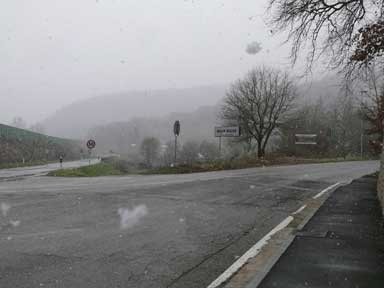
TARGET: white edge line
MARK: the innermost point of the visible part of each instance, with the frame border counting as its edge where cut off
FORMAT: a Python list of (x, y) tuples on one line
[(252, 252), (325, 190), (299, 210), (43, 233)]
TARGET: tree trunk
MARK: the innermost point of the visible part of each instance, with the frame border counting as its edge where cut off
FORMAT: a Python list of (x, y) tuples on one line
[(260, 150)]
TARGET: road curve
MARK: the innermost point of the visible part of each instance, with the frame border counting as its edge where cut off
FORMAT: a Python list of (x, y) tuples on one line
[(148, 231), (11, 173)]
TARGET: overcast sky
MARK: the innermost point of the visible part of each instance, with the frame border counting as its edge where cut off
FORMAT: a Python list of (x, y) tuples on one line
[(54, 52)]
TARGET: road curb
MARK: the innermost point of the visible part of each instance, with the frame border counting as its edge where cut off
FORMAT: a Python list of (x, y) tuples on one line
[(257, 268), (321, 201)]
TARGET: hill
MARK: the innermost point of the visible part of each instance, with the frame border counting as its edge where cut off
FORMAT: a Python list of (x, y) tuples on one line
[(20, 145), (124, 137), (75, 120)]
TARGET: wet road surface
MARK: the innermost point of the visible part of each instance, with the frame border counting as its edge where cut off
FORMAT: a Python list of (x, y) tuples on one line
[(148, 231)]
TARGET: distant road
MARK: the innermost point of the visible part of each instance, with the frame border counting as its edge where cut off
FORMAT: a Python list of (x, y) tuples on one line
[(40, 169), (148, 231)]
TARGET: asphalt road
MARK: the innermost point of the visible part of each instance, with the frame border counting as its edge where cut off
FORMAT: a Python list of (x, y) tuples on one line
[(8, 174), (148, 231)]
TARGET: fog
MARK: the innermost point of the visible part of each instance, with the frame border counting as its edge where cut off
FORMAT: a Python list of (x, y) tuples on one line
[(55, 52)]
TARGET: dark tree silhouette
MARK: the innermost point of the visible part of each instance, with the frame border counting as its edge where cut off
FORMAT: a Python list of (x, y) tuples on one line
[(349, 31), (258, 102)]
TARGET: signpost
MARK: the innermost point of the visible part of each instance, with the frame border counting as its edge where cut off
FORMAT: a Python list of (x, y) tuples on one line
[(305, 139), (90, 144), (229, 131), (176, 132)]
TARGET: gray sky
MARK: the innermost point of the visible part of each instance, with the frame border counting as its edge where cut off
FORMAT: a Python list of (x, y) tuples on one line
[(54, 52)]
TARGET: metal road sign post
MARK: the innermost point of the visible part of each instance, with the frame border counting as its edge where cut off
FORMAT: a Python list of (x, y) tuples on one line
[(90, 144), (176, 132), (230, 131)]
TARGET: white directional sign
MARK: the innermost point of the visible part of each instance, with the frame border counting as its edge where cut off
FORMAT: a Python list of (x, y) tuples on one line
[(305, 139), (232, 131)]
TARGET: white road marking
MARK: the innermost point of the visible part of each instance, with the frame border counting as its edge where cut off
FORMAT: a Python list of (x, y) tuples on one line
[(252, 252), (255, 249), (45, 233), (325, 190), (299, 210)]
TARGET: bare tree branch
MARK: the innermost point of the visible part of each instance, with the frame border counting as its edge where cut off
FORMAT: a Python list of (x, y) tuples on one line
[(350, 32), (258, 102)]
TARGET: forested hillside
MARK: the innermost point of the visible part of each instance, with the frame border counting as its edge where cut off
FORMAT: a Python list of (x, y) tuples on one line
[(20, 145), (75, 120)]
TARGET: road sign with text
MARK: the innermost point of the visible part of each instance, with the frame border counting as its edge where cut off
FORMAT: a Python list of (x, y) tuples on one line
[(305, 139), (230, 131)]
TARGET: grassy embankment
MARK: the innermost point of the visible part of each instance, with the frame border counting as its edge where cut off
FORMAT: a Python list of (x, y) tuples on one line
[(99, 169), (118, 167), (241, 163), (35, 148)]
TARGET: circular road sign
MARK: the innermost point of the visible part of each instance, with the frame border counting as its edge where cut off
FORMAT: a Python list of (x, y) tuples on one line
[(91, 143)]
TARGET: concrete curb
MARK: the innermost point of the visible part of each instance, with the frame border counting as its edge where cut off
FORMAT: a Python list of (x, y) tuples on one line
[(321, 202), (279, 247), (257, 268)]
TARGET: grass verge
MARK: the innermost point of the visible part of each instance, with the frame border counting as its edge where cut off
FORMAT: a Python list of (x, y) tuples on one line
[(121, 167), (241, 163), (99, 169)]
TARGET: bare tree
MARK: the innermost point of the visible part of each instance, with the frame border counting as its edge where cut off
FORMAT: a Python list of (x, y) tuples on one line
[(189, 152), (38, 128), (258, 102), (344, 29), (345, 126), (168, 157), (209, 150), (372, 106), (19, 122), (150, 149)]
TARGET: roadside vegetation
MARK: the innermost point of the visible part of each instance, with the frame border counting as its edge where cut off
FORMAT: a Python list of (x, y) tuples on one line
[(99, 169), (118, 167), (20, 147), (218, 165)]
